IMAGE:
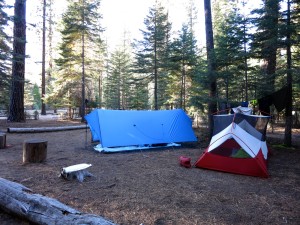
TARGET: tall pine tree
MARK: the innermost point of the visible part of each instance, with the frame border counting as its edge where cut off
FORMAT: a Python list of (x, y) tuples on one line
[(16, 106), (80, 37), (265, 43), (117, 85), (184, 60), (152, 53), (232, 55), (211, 64)]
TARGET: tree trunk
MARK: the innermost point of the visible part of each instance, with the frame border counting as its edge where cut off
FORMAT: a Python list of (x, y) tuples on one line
[(100, 90), (289, 102), (155, 69), (245, 61), (43, 111), (16, 107), (212, 106), (34, 151), (2, 140), (83, 100), (16, 199)]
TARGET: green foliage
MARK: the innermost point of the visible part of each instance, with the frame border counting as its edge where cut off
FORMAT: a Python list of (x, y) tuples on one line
[(28, 96), (140, 95), (37, 101), (32, 96), (152, 54), (293, 29), (117, 86), (264, 44), (80, 35), (5, 57), (199, 90), (253, 47), (234, 75), (168, 69), (183, 62)]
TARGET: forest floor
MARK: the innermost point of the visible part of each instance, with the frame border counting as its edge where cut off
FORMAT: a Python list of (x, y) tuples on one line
[(150, 187)]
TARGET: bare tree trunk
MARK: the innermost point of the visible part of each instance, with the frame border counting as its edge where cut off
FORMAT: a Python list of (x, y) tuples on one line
[(16, 107), (245, 62), (183, 86), (155, 69), (43, 111), (83, 101), (100, 90), (289, 103), (212, 106)]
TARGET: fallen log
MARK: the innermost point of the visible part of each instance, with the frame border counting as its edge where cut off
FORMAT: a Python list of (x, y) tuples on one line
[(42, 129), (16, 199)]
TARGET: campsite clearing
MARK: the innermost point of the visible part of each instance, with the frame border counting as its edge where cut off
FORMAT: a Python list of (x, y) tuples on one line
[(150, 187)]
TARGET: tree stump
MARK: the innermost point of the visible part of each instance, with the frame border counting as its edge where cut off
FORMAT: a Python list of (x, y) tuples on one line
[(34, 151), (2, 140)]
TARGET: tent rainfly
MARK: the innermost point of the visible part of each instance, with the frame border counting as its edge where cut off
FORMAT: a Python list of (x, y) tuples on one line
[(238, 145), (121, 128)]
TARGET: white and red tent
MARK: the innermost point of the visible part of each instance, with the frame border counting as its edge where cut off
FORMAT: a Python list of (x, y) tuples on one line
[(238, 145)]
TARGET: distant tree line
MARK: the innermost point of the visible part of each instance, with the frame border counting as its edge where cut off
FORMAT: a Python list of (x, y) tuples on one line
[(254, 54)]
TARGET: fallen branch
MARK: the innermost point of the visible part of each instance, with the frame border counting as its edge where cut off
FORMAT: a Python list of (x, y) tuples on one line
[(43, 129), (16, 199)]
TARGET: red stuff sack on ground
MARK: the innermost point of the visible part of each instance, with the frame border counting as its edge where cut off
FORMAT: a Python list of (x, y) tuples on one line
[(185, 161)]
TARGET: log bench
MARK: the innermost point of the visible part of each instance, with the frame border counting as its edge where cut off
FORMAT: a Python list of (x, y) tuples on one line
[(34, 151)]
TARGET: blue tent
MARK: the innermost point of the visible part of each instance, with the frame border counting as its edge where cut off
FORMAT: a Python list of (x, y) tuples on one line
[(117, 128)]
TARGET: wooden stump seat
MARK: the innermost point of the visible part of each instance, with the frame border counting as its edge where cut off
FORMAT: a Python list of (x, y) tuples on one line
[(2, 140), (34, 151)]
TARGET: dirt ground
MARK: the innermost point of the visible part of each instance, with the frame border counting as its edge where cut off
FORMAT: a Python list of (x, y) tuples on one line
[(150, 187)]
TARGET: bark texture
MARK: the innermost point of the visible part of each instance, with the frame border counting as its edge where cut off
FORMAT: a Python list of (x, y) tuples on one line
[(16, 199), (16, 107)]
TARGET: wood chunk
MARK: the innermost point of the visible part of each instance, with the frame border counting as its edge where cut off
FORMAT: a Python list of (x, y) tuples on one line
[(2, 140), (34, 151)]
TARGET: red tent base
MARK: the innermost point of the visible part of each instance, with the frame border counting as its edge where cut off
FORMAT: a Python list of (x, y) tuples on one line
[(246, 166)]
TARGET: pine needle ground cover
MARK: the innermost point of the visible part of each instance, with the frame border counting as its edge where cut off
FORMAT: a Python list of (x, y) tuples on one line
[(150, 187)]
